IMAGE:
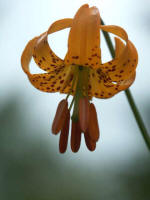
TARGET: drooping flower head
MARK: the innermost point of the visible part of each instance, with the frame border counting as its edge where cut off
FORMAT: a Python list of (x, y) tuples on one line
[(81, 73)]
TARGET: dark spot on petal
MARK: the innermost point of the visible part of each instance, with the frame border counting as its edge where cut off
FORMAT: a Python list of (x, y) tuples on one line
[(75, 57), (61, 81)]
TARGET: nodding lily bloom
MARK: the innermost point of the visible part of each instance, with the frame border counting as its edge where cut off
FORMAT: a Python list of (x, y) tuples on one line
[(81, 73)]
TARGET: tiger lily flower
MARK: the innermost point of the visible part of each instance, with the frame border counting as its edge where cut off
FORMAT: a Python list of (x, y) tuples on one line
[(81, 73)]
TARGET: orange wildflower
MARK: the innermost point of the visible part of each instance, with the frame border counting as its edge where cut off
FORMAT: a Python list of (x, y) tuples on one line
[(81, 73)]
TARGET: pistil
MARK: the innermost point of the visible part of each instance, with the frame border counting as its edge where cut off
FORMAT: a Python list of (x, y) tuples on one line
[(81, 90)]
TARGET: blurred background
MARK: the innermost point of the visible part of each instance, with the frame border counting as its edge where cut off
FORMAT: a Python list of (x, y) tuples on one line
[(31, 167)]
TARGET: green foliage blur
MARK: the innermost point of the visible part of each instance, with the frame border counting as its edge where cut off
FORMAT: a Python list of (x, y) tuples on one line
[(30, 168)]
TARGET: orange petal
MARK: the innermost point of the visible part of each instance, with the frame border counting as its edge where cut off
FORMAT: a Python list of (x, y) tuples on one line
[(93, 128), (58, 81), (44, 57), (117, 30), (119, 47), (91, 145), (60, 116), (43, 54), (60, 25), (125, 84), (100, 85), (27, 55), (84, 38), (39, 48), (126, 64), (84, 113), (75, 136), (126, 61), (63, 141)]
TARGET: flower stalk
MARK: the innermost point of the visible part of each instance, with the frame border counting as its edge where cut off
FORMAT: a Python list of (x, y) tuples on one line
[(129, 96)]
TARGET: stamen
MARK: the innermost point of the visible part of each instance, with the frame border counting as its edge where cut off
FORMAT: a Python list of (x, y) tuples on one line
[(75, 136), (84, 113), (63, 141), (81, 89), (93, 128), (91, 145), (73, 83), (60, 116)]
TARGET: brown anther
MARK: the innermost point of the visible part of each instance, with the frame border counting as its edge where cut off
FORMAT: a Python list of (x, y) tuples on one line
[(93, 128), (84, 113), (60, 116), (75, 136), (91, 145), (63, 141)]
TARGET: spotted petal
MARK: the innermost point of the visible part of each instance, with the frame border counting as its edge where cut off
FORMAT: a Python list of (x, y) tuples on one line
[(100, 85), (58, 76), (58, 81), (41, 51), (124, 65), (84, 38), (43, 55)]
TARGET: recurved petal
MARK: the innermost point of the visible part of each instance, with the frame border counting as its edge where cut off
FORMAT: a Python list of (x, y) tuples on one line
[(39, 48), (60, 116), (44, 57), (27, 55), (126, 65), (58, 81), (63, 141), (119, 47), (84, 38), (117, 30), (75, 136), (100, 85), (60, 25), (125, 84), (126, 59)]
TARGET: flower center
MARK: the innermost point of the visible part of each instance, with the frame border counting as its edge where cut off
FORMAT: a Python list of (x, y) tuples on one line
[(81, 89)]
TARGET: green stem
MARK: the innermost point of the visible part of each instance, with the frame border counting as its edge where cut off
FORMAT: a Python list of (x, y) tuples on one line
[(71, 103), (138, 118), (73, 83), (78, 94), (129, 96), (81, 88)]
